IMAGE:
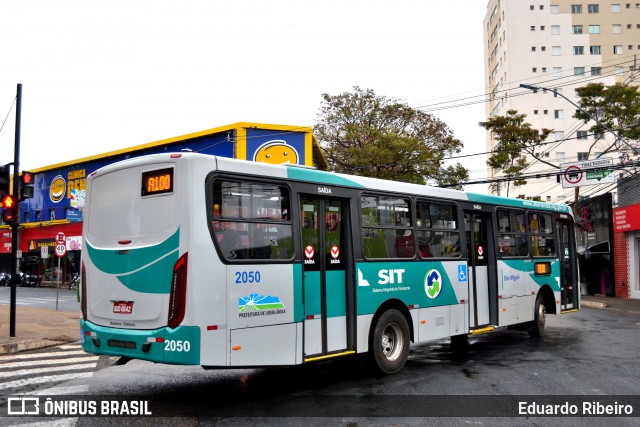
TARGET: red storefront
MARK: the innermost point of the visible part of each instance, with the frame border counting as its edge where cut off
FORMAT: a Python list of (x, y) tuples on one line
[(626, 240), (43, 235)]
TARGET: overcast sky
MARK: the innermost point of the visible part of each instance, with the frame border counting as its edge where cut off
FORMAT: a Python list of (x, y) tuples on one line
[(104, 75)]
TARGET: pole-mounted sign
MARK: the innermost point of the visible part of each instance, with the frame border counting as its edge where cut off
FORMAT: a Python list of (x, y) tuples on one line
[(589, 172)]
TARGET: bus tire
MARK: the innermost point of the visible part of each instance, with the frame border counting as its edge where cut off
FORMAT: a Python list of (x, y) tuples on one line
[(390, 342), (539, 318)]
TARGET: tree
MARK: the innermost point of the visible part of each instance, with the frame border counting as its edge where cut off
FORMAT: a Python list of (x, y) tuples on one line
[(369, 135), (616, 108), (516, 139)]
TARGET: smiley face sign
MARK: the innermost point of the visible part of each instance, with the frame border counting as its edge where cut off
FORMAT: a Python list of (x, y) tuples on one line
[(276, 152)]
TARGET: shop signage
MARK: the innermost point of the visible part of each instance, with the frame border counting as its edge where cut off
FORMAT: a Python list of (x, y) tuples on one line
[(626, 218)]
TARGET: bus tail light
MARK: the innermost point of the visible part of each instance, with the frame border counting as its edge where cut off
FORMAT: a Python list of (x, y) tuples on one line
[(83, 295), (178, 295)]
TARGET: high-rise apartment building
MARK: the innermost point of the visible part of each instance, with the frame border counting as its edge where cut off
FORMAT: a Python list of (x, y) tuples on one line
[(558, 45)]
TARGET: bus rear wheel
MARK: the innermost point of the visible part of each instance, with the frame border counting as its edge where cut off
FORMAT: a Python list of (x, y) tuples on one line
[(390, 342), (539, 318)]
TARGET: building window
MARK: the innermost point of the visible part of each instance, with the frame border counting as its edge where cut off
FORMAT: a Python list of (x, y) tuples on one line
[(578, 50), (598, 135), (558, 114), (544, 69), (535, 112), (560, 156), (578, 71), (554, 8), (533, 28), (576, 8), (594, 50), (619, 70), (593, 8), (615, 8), (583, 156), (541, 27), (556, 50), (596, 71), (616, 29), (555, 29), (582, 134), (531, 7), (543, 48), (533, 48), (594, 29), (559, 137), (576, 29), (628, 26), (630, 47), (541, 7), (617, 49)]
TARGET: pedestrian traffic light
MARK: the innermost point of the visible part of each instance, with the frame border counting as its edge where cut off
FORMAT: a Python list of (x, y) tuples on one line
[(26, 185), (5, 180), (10, 206)]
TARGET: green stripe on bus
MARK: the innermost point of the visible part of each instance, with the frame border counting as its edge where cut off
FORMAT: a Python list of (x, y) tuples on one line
[(146, 270)]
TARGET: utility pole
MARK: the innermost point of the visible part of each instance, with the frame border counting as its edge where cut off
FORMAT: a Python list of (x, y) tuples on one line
[(15, 226)]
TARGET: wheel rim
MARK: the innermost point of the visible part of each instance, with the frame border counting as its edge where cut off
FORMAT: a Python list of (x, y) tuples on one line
[(542, 313), (392, 341)]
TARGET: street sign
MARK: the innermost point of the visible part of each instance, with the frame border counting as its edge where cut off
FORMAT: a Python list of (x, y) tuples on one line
[(44, 252), (61, 250), (590, 172), (61, 239)]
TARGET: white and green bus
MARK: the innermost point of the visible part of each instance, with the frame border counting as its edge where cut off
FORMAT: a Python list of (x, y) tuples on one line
[(201, 260)]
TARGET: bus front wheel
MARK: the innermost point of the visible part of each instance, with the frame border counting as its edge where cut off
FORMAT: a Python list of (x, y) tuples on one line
[(539, 318), (390, 342)]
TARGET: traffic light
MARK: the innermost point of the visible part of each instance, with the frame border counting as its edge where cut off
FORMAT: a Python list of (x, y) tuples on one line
[(11, 211), (26, 185), (5, 180)]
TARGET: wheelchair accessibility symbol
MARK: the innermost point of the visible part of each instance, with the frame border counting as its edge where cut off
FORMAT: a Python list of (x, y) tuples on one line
[(462, 273)]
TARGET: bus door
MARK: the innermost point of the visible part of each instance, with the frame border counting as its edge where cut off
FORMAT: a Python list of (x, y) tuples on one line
[(479, 252), (569, 289), (325, 260)]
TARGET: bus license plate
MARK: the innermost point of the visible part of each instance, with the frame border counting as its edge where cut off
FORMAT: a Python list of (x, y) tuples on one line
[(123, 307)]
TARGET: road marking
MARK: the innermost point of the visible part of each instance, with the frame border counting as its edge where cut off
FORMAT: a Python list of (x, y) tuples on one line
[(34, 371), (63, 390), (43, 380), (60, 361), (41, 355)]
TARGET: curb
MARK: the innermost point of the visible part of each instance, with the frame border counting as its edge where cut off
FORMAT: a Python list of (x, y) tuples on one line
[(593, 304), (18, 346)]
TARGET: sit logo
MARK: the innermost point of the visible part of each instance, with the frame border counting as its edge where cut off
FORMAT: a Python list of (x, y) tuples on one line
[(385, 277), (433, 283)]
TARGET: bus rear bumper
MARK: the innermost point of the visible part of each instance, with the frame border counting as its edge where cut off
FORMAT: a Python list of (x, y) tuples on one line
[(180, 346)]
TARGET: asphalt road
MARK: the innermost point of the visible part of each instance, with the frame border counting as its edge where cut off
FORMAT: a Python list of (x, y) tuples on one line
[(591, 353), (588, 356), (42, 297)]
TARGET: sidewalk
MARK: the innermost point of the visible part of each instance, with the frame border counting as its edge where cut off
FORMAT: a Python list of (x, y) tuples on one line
[(39, 327)]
